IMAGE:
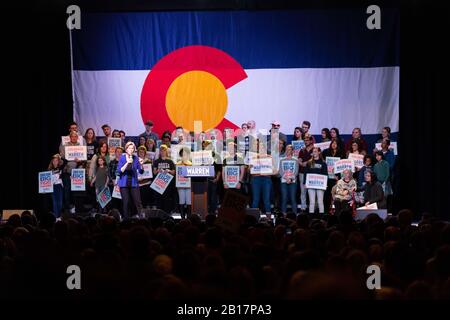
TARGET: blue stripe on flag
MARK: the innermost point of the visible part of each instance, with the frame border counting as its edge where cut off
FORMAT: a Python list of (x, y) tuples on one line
[(256, 39)]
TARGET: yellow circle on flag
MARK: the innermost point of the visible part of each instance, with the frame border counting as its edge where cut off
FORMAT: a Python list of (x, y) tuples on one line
[(196, 96)]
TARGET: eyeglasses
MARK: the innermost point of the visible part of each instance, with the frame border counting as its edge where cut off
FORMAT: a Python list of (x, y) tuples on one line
[(276, 125)]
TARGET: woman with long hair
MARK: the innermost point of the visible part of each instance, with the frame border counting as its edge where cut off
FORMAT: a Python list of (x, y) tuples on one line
[(316, 165), (91, 143), (326, 136), (56, 166), (334, 133)]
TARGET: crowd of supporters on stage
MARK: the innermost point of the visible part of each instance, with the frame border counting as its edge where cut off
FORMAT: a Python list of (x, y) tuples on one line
[(297, 255), (374, 182)]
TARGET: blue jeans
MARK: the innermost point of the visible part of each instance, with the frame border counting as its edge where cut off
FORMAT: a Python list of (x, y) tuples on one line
[(57, 198), (261, 186), (288, 193)]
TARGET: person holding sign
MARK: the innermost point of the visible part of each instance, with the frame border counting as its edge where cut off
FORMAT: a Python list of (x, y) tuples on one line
[(233, 159), (355, 148), (344, 191), (261, 182), (56, 166), (373, 191), (184, 193), (388, 154), (67, 172), (303, 157), (127, 169), (112, 168), (102, 152), (333, 152), (288, 175), (316, 165), (101, 177), (144, 181), (166, 200)]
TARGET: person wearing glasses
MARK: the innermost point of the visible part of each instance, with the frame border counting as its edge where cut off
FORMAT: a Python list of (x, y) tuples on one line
[(306, 125), (276, 125)]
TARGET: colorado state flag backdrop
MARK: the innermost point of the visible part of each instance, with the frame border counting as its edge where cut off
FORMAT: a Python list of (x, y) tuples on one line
[(227, 67)]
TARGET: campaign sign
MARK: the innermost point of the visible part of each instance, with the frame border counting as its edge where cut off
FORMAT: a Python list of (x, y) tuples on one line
[(288, 167), (78, 180), (75, 152), (330, 161), (148, 172), (231, 175), (161, 182), (198, 171), (297, 145), (343, 164), (261, 166), (392, 146), (358, 160), (202, 157), (114, 142), (316, 181), (104, 197), (116, 190), (45, 182), (322, 145), (180, 180)]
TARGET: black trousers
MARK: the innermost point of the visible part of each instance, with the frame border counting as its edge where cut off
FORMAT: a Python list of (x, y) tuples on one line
[(130, 194)]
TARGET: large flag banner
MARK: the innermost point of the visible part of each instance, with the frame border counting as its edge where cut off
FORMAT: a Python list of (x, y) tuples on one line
[(45, 182), (78, 180), (223, 68)]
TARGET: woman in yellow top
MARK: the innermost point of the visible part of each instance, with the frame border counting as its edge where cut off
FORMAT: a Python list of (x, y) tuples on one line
[(184, 193)]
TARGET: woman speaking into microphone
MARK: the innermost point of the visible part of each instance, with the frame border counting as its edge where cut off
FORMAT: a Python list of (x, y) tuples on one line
[(127, 169)]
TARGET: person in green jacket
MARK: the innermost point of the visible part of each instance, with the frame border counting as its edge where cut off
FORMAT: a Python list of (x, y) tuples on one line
[(381, 169)]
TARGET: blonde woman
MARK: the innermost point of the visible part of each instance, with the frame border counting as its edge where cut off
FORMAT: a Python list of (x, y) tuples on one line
[(127, 170)]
